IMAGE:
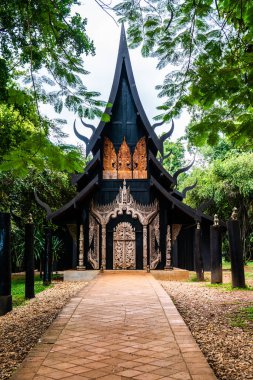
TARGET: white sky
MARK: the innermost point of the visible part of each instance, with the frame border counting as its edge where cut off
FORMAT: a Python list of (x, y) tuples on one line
[(105, 34)]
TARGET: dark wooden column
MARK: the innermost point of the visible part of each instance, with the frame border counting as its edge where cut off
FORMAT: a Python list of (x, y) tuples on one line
[(47, 274), (5, 264), (216, 252), (199, 268), (236, 251), (29, 258)]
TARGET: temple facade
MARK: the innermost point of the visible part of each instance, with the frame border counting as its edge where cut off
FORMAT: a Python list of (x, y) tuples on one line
[(127, 213)]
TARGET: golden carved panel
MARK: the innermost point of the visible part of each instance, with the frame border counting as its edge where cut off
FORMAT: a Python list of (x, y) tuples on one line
[(109, 160), (140, 160), (124, 161)]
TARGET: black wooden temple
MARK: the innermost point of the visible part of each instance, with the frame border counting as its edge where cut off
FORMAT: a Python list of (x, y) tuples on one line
[(127, 213)]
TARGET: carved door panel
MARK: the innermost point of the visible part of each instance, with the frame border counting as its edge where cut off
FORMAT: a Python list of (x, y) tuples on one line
[(124, 254)]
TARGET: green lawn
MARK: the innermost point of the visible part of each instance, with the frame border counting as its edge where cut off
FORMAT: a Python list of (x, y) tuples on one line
[(18, 289)]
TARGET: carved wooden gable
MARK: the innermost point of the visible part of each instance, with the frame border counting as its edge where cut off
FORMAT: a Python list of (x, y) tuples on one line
[(124, 165), (124, 161), (109, 160), (140, 160)]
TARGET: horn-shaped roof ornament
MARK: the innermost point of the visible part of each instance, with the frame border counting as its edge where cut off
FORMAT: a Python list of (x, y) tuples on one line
[(167, 134), (162, 158), (79, 136), (188, 188), (42, 204), (88, 126), (182, 170), (154, 126)]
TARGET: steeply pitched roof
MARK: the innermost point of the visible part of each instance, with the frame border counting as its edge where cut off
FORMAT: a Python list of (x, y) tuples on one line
[(55, 216), (123, 57)]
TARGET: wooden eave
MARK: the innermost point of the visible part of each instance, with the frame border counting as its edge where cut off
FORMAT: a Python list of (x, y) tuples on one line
[(90, 167), (160, 168), (74, 203), (194, 214), (124, 58)]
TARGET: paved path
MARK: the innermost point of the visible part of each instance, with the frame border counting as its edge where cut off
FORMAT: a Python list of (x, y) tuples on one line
[(121, 326)]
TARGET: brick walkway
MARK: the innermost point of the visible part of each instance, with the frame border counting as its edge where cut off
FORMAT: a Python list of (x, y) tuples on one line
[(121, 326)]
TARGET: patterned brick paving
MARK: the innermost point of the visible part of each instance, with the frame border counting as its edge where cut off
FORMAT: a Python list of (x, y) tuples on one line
[(122, 326)]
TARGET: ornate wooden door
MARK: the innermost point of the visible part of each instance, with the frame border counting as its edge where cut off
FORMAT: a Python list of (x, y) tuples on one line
[(124, 255)]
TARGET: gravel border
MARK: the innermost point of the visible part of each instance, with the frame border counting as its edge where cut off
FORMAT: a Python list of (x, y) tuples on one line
[(21, 329), (209, 312)]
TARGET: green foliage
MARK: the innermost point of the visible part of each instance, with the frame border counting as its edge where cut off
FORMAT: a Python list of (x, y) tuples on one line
[(42, 45), (45, 34), (176, 159), (17, 195), (18, 289), (207, 47), (228, 180)]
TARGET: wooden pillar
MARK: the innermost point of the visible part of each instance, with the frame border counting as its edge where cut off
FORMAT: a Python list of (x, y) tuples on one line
[(81, 250), (5, 264), (29, 258), (103, 264), (47, 274), (145, 246), (197, 254), (216, 252), (236, 251)]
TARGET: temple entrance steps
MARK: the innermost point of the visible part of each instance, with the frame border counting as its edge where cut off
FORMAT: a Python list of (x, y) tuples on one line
[(120, 326), (175, 274)]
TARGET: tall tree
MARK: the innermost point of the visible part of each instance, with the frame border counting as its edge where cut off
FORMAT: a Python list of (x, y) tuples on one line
[(42, 45), (227, 180), (207, 47)]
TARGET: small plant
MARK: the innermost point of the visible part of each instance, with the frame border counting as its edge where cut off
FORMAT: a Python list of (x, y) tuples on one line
[(243, 318)]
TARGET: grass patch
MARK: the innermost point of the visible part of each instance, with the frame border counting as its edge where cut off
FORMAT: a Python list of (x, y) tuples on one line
[(228, 287), (243, 318), (18, 289), (226, 265)]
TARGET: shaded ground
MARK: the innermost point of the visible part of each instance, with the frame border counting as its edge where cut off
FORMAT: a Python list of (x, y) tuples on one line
[(21, 329), (221, 322)]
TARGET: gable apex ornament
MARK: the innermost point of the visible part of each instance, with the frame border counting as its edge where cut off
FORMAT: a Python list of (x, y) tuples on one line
[(124, 202)]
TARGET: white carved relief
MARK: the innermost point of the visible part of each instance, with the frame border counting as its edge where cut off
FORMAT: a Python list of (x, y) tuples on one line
[(93, 253), (154, 232), (125, 203), (176, 228), (124, 247)]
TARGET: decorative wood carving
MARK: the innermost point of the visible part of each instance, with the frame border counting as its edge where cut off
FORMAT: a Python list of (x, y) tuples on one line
[(124, 203), (109, 160), (176, 228), (124, 247), (155, 254), (140, 160), (81, 249), (168, 249), (93, 253), (124, 161)]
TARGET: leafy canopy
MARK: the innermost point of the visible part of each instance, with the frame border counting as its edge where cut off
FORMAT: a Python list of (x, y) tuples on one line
[(43, 42), (208, 50)]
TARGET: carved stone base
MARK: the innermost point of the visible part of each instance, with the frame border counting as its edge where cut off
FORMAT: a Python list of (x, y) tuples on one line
[(82, 267), (168, 267)]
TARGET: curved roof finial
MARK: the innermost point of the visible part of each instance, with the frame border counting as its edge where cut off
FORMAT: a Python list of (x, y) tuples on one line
[(79, 136), (182, 170), (168, 134), (188, 188), (42, 204)]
